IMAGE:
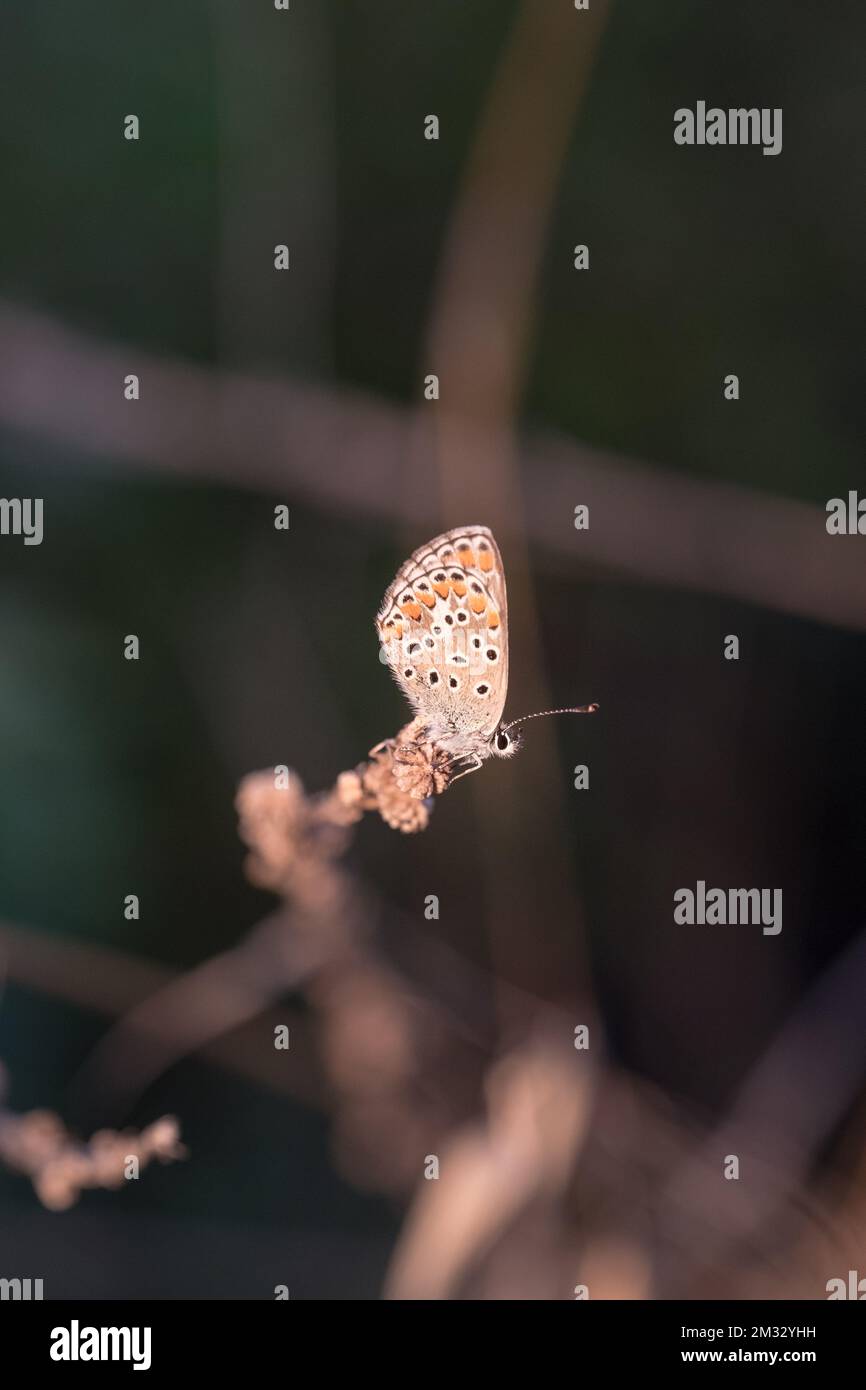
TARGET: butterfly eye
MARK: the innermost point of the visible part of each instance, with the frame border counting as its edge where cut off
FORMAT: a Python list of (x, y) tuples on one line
[(502, 742)]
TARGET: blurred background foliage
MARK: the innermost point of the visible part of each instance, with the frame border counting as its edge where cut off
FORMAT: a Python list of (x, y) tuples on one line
[(258, 647)]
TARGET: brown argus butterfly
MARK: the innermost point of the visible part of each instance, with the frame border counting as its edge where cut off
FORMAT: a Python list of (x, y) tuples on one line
[(443, 626)]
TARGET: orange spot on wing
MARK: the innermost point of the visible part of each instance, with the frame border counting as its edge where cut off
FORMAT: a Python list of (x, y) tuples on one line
[(442, 589), (411, 610), (459, 587), (465, 555), (485, 560), (493, 619), (398, 631), (478, 603), (424, 597)]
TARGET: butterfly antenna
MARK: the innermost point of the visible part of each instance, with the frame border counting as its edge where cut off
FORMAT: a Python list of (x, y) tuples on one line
[(575, 709)]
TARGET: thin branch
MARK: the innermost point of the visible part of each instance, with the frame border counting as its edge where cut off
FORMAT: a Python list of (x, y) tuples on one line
[(60, 1166), (346, 452)]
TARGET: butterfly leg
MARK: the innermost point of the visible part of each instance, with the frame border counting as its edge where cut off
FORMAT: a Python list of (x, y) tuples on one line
[(470, 763)]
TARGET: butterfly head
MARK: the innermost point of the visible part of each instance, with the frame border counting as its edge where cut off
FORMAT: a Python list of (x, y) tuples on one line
[(505, 741)]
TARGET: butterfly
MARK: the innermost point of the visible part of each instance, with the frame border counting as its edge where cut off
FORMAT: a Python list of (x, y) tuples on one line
[(443, 626)]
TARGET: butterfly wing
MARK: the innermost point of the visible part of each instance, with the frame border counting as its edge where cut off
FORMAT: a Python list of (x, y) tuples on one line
[(443, 625)]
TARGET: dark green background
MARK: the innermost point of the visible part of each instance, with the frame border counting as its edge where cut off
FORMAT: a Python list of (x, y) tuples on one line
[(258, 646)]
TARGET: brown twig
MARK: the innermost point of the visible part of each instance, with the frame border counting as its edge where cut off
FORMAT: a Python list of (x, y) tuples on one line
[(60, 1166), (199, 425)]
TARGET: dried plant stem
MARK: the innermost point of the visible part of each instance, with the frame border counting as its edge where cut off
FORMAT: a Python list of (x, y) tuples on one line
[(291, 834), (60, 1166)]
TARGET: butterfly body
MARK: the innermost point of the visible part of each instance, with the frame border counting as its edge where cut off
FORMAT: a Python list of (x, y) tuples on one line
[(443, 625)]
